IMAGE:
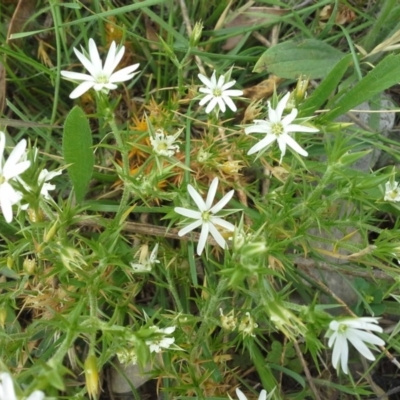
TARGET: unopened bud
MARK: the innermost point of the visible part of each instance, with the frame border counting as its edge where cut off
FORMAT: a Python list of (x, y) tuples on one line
[(196, 34), (92, 376), (29, 265)]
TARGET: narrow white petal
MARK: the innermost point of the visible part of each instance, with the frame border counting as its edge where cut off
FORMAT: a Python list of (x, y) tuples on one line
[(188, 213), (206, 99), (263, 395), (206, 91), (222, 203), (5, 206), (15, 156), (205, 80), (240, 394), (77, 76), (221, 222), (270, 138), (190, 227), (233, 93), (124, 74), (111, 60), (211, 194), (211, 105), (264, 127), (282, 105), (93, 69), (282, 145), (220, 82), (361, 347), (294, 145), (216, 235), (227, 85), (36, 395), (203, 238), (94, 56), (229, 102), (366, 337), (14, 170), (2, 146), (8, 386), (197, 198), (332, 338), (82, 88), (221, 104), (287, 120), (300, 128)]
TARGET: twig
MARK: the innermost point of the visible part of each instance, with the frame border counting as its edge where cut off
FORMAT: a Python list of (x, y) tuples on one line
[(306, 371)]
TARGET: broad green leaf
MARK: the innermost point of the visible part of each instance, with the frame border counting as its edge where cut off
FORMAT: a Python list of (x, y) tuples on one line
[(78, 152), (291, 59), (326, 87), (382, 77)]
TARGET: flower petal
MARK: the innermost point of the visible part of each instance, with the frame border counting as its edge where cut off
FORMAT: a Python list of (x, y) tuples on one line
[(187, 212), (190, 227), (211, 193), (197, 198), (81, 89), (222, 203), (216, 235), (203, 238), (270, 138)]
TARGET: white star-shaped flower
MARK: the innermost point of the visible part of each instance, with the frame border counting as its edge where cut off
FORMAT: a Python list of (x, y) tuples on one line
[(392, 192), (7, 391), (354, 330), (205, 217), (101, 78), (217, 93), (156, 345), (9, 171), (163, 145), (278, 129), (43, 178), (241, 395), (146, 262)]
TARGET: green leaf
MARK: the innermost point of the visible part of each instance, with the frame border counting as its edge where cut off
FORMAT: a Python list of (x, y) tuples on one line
[(382, 77), (291, 59), (326, 87), (78, 152)]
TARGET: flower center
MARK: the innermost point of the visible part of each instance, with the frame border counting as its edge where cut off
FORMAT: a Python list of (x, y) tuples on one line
[(206, 216), (342, 328), (393, 194), (217, 92), (102, 79), (277, 129), (2, 179)]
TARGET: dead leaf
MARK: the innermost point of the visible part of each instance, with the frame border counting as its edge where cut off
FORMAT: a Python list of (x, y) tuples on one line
[(264, 89), (343, 16), (249, 17)]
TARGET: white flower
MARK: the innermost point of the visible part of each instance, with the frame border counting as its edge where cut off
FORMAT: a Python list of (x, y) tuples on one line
[(146, 262), (217, 93), (100, 78), (278, 129), (163, 145), (205, 216), (156, 345), (241, 396), (352, 329), (392, 191), (8, 172), (44, 177), (7, 391)]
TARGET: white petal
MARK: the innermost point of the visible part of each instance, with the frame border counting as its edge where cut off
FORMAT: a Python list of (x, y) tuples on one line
[(188, 213), (77, 76), (190, 227), (5, 205), (82, 88), (197, 198), (222, 203), (211, 194), (15, 156), (97, 64), (13, 171), (212, 105), (93, 70), (263, 395), (206, 91), (227, 85), (36, 395), (263, 127), (124, 74), (229, 102), (206, 99), (221, 104), (366, 337), (294, 145), (216, 235), (361, 347), (7, 387), (111, 60), (270, 138), (221, 222), (240, 394), (300, 128), (202, 239), (2, 146), (281, 106), (233, 93), (205, 80)]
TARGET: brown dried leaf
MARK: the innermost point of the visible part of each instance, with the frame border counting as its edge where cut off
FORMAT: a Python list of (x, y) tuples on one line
[(249, 17), (343, 16), (264, 89)]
